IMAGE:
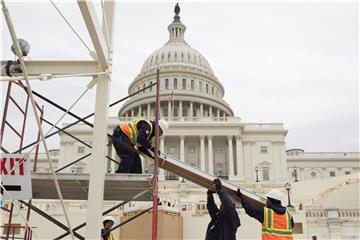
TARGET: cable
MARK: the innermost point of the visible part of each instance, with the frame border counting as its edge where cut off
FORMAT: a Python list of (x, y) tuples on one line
[(67, 22), (53, 125), (84, 118)]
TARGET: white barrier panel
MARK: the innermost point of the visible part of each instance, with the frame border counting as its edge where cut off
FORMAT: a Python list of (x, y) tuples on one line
[(16, 176)]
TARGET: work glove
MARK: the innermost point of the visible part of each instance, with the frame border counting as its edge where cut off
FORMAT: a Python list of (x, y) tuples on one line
[(210, 192), (218, 185), (238, 193), (153, 150)]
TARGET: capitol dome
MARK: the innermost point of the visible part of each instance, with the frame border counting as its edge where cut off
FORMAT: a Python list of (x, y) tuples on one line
[(185, 73), (177, 51)]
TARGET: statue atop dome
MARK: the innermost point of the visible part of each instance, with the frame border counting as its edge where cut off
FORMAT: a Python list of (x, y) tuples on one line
[(177, 9)]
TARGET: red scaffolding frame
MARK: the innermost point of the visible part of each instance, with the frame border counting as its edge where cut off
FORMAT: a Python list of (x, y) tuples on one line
[(21, 135)]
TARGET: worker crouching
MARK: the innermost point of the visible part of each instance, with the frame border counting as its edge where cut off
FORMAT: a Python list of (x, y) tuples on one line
[(137, 133)]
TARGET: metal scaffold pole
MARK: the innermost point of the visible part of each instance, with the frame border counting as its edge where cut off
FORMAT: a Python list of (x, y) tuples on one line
[(156, 162)]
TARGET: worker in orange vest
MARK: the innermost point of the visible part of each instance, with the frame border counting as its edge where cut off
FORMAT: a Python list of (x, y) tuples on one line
[(277, 223), (137, 133)]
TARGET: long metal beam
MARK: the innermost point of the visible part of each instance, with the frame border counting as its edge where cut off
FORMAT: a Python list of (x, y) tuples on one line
[(95, 31), (35, 67)]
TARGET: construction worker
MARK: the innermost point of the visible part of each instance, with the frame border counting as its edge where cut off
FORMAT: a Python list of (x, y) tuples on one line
[(224, 221), (106, 234), (277, 223), (137, 133)]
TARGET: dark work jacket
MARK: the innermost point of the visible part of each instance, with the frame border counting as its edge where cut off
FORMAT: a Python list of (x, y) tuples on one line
[(223, 225), (258, 213), (144, 131)]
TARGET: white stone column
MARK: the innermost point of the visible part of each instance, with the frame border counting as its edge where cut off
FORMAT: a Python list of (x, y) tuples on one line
[(169, 109), (231, 158), (139, 111), (218, 113), (162, 149), (149, 110), (210, 155), (201, 110), (248, 166), (210, 111), (126, 115), (254, 161), (275, 168), (283, 161), (202, 153), (132, 112), (180, 109), (191, 110), (182, 148), (239, 159)]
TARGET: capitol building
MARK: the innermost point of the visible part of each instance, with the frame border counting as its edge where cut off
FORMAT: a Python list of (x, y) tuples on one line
[(204, 132)]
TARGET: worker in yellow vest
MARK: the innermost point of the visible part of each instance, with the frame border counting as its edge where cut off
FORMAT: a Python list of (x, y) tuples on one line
[(137, 133), (106, 234), (277, 223)]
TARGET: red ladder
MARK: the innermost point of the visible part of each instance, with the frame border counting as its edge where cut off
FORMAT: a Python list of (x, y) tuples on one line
[(20, 134)]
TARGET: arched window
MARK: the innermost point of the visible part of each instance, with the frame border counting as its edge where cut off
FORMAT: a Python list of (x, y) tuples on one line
[(192, 84), (144, 86), (175, 83), (207, 88), (200, 86), (150, 83), (166, 83), (212, 90), (184, 83)]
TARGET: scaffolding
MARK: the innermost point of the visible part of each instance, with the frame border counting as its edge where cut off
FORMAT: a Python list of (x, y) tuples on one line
[(91, 187)]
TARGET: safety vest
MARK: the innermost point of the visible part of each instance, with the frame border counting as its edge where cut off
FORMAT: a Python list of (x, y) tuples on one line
[(111, 237), (131, 130), (276, 226)]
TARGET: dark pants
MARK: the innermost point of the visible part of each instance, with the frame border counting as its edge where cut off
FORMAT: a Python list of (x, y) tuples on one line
[(130, 160)]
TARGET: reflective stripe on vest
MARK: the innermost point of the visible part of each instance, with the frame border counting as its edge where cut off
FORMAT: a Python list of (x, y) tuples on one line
[(131, 131), (276, 226)]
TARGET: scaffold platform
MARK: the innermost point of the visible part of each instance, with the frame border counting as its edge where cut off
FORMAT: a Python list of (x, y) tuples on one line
[(75, 186)]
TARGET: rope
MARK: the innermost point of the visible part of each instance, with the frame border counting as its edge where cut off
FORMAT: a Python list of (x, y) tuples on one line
[(65, 113), (23, 66), (68, 23), (18, 209), (84, 118)]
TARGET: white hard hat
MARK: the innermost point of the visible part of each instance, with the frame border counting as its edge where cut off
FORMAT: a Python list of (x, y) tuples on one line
[(275, 194), (108, 218), (164, 125)]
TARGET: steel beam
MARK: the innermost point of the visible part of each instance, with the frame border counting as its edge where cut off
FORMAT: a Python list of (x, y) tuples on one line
[(35, 67), (95, 31)]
